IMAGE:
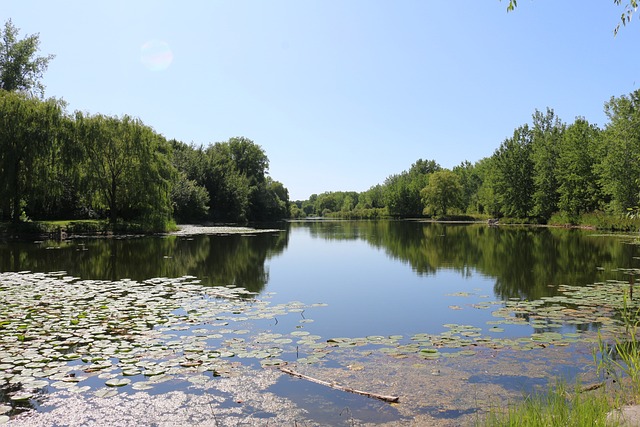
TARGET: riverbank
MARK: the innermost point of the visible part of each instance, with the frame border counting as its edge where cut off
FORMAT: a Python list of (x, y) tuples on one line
[(62, 230)]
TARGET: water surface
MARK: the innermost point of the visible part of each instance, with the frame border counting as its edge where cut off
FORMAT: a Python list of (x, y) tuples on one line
[(383, 279)]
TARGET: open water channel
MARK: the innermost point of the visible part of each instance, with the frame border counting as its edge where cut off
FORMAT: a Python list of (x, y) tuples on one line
[(192, 329)]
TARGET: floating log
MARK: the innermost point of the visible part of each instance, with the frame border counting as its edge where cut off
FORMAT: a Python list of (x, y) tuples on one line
[(384, 398)]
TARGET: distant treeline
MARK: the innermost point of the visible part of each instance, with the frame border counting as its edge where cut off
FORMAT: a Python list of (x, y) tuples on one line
[(547, 171), (56, 165)]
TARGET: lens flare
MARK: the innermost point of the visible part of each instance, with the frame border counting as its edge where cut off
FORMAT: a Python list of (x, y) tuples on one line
[(156, 55)]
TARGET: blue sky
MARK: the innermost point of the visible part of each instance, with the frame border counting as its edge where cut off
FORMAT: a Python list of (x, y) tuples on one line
[(339, 94)]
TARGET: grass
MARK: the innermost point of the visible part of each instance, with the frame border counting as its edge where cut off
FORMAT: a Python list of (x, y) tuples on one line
[(598, 220), (86, 226), (619, 361), (556, 407)]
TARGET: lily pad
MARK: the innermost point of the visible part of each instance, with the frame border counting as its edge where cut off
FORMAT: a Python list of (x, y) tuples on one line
[(118, 382)]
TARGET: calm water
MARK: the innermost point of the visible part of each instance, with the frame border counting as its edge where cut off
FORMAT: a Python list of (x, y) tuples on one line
[(372, 278), (378, 278)]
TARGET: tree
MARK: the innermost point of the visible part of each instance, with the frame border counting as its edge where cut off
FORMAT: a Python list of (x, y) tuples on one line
[(513, 179), (190, 201), (128, 168), (20, 69), (487, 198), (471, 182), (28, 130), (578, 188), (444, 191), (546, 136), (402, 191), (229, 190), (274, 201), (249, 159), (620, 166)]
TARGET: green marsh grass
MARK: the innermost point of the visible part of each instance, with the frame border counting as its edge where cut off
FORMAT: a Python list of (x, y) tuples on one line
[(555, 407), (620, 359), (619, 363)]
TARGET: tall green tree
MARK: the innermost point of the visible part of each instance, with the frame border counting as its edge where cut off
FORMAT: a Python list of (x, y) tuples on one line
[(513, 174), (471, 182), (28, 132), (579, 189), (487, 199), (190, 201), (443, 192), (128, 167), (546, 135), (229, 190), (402, 191), (620, 166), (55, 190), (20, 68)]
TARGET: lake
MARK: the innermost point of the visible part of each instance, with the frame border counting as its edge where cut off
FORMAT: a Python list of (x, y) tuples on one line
[(451, 318)]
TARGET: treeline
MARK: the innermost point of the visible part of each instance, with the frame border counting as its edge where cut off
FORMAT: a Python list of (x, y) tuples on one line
[(56, 165), (546, 171)]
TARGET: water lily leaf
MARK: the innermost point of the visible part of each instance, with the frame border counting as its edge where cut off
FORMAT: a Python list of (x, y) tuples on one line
[(142, 385), (106, 392), (118, 382), (21, 396)]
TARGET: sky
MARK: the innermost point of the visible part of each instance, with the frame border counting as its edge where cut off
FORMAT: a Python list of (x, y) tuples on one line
[(339, 94)]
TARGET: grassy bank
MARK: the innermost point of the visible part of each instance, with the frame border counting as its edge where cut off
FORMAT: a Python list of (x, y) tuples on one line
[(56, 229)]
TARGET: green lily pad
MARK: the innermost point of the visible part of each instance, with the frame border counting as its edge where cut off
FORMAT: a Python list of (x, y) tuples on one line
[(106, 393), (118, 382), (21, 396)]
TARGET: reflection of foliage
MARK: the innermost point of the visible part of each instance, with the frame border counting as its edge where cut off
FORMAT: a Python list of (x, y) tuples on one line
[(526, 262), (216, 260)]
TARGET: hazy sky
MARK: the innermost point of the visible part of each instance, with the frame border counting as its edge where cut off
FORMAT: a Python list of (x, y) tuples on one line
[(339, 93)]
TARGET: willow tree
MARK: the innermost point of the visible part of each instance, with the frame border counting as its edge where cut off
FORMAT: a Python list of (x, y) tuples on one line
[(128, 167), (28, 131)]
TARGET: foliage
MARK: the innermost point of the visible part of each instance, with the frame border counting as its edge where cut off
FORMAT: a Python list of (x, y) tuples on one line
[(20, 69), (29, 130), (127, 170), (619, 168), (471, 181), (630, 6), (555, 407), (546, 136), (579, 189), (233, 174), (190, 201), (629, 9), (402, 192), (622, 357), (444, 191), (513, 170)]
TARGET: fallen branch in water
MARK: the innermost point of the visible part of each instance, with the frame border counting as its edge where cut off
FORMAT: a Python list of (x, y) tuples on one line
[(591, 387), (384, 398)]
